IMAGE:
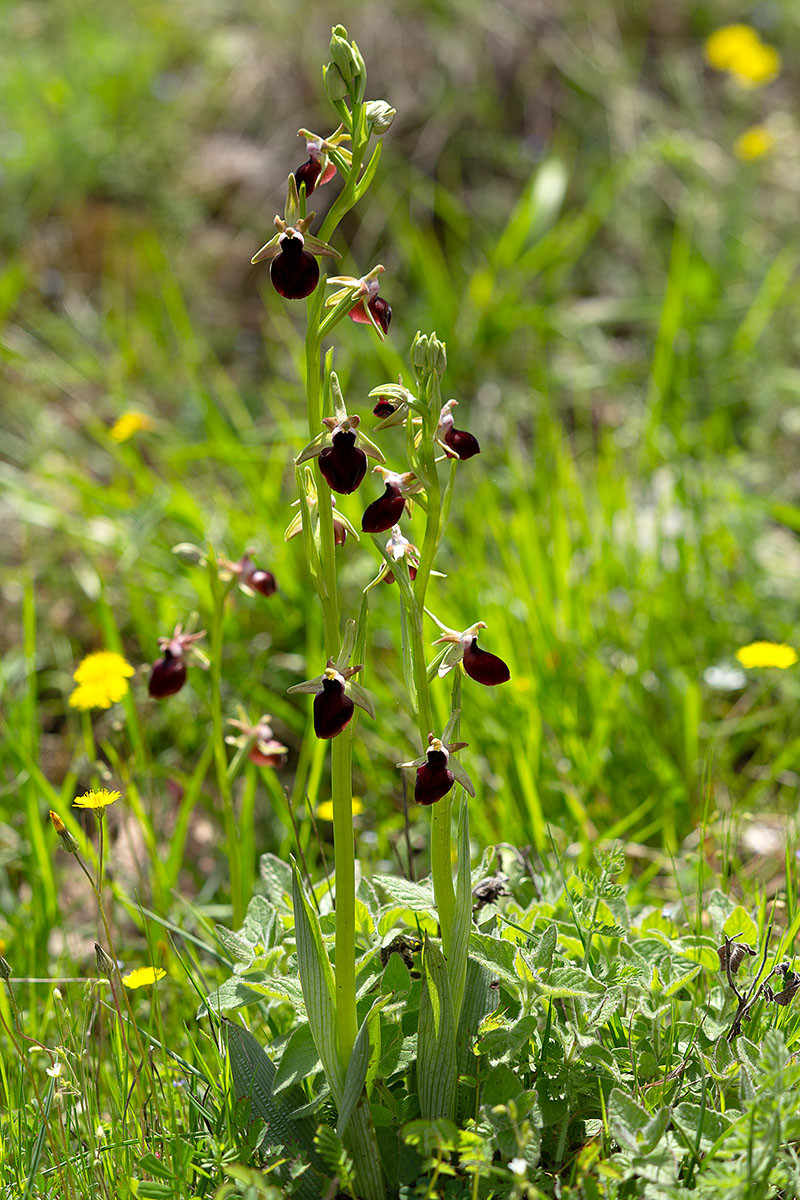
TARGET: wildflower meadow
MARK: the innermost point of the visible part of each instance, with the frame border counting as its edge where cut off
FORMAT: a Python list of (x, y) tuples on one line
[(399, 735)]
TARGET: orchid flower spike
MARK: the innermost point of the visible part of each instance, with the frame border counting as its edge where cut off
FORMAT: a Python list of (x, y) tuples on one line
[(457, 443), (342, 449), (249, 577), (168, 673), (319, 168), (294, 270), (368, 307), (335, 692), (387, 510), (263, 748), (463, 648), (437, 769), (341, 525)]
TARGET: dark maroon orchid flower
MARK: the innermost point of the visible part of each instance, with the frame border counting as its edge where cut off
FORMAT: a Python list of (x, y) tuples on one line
[(262, 747), (335, 691), (481, 666), (168, 673), (456, 442), (292, 253), (319, 169), (437, 770), (366, 307), (342, 448), (343, 463), (249, 577), (387, 510)]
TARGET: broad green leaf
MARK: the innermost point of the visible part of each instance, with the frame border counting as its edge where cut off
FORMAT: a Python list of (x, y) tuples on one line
[(497, 956), (319, 990), (416, 896), (541, 957), (569, 983), (633, 1125), (396, 976), (741, 926), (363, 1064), (252, 1077), (682, 980), (277, 877), (436, 1039), (237, 946), (299, 1059)]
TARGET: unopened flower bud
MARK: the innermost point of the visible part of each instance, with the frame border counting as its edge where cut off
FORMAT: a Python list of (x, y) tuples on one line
[(419, 353), (188, 553), (347, 57), (105, 965), (5, 969), (335, 85), (67, 840), (380, 115), (437, 355)]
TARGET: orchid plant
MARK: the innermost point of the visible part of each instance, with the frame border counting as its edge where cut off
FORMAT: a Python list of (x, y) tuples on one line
[(335, 460)]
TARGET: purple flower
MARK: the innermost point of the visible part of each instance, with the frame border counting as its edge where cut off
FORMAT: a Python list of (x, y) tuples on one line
[(342, 449), (366, 307), (437, 769), (335, 692), (292, 253), (168, 673), (481, 666), (456, 442), (387, 510)]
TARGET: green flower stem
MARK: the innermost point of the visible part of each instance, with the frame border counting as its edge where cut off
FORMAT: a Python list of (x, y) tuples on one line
[(441, 812), (219, 594), (344, 867), (341, 746)]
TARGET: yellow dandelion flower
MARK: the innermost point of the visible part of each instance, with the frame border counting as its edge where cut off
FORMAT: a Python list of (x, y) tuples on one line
[(728, 44), (99, 798), (739, 50), (767, 654), (325, 810), (143, 977), (754, 143), (129, 424), (102, 679)]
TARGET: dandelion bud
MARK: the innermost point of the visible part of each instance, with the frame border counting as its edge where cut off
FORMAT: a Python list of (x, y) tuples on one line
[(67, 840), (5, 969), (380, 115), (105, 965), (167, 676)]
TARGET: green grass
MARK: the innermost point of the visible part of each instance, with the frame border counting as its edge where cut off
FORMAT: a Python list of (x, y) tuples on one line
[(617, 293)]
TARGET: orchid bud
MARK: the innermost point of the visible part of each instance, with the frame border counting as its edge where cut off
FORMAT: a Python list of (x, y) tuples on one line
[(335, 84), (347, 57), (380, 115)]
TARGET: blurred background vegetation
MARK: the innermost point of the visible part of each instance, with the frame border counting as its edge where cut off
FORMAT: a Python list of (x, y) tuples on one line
[(563, 199)]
